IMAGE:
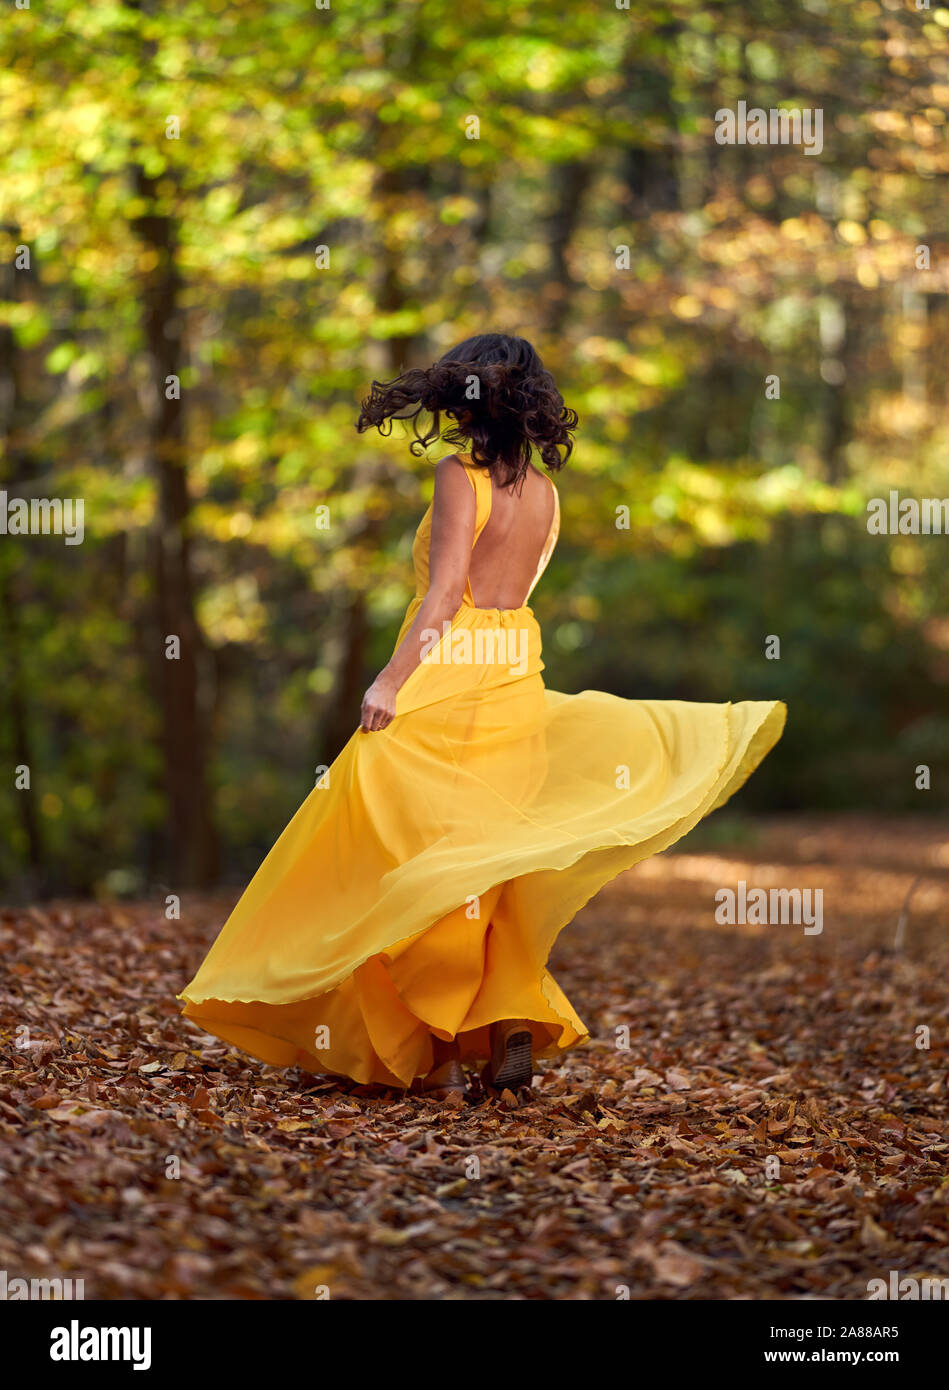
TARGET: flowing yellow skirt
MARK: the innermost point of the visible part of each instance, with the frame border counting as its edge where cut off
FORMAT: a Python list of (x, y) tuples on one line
[(421, 889)]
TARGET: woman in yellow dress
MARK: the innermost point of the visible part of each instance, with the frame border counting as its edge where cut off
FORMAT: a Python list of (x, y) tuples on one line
[(401, 925)]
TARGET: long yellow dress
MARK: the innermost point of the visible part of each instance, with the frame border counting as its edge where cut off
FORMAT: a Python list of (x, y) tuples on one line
[(421, 888)]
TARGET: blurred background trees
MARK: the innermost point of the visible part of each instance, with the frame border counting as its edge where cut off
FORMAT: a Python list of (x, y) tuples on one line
[(271, 205)]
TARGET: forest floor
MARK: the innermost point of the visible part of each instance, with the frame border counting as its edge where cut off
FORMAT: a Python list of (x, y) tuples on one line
[(773, 1131)]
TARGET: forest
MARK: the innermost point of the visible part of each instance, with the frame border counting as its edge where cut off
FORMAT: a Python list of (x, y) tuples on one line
[(221, 221)]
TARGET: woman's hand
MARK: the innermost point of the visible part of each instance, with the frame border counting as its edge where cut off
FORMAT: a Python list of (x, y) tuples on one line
[(378, 704)]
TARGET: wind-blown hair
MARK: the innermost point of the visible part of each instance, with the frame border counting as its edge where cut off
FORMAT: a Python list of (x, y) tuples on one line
[(502, 398)]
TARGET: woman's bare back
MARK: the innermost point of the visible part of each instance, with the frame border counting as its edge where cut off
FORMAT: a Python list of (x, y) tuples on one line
[(506, 555)]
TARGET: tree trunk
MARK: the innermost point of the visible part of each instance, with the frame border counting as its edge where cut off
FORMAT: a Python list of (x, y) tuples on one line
[(651, 174), (571, 180), (352, 676), (192, 842), (20, 467)]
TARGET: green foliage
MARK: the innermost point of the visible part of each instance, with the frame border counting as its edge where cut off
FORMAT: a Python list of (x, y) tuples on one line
[(348, 128)]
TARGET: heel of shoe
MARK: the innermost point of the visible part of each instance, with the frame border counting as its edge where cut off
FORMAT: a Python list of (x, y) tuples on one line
[(515, 1067), (444, 1081)]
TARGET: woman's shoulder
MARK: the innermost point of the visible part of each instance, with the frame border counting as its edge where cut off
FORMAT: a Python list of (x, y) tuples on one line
[(452, 461), (543, 477), (453, 468)]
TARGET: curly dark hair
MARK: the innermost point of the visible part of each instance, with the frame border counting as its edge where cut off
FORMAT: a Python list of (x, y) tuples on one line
[(500, 395)]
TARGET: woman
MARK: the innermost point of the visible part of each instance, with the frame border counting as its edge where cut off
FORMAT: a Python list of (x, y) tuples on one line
[(401, 925)]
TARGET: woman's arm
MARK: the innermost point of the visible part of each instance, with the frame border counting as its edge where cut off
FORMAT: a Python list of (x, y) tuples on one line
[(453, 523)]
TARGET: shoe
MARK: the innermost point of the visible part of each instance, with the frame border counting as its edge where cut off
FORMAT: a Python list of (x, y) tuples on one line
[(448, 1079), (511, 1064)]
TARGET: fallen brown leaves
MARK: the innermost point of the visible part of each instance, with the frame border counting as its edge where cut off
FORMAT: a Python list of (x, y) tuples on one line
[(643, 1168)]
